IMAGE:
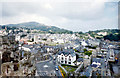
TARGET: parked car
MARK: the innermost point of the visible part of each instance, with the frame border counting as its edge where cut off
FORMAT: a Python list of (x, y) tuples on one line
[(54, 57), (54, 62), (56, 68)]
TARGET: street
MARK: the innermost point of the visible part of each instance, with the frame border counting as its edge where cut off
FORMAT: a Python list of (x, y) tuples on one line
[(47, 68), (116, 66)]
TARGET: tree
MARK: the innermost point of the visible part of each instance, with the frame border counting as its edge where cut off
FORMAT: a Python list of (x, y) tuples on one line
[(84, 49), (28, 31), (32, 39), (77, 56), (88, 53), (80, 32)]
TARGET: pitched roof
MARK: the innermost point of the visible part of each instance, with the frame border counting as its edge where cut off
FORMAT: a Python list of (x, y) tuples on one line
[(96, 60), (79, 59), (93, 65), (67, 52), (88, 71)]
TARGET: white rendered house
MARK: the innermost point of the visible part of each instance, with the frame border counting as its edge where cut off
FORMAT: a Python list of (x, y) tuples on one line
[(66, 57), (83, 43)]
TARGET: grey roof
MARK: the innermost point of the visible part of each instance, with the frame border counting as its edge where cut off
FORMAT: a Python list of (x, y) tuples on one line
[(93, 65), (67, 53), (34, 48), (27, 46), (96, 60), (34, 51), (88, 71), (49, 46), (80, 59)]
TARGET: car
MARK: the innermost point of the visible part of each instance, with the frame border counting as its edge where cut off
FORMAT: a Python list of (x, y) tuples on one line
[(54, 57), (56, 68), (54, 62)]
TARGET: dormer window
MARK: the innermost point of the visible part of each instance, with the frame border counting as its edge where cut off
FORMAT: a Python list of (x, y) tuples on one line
[(69, 56), (69, 59)]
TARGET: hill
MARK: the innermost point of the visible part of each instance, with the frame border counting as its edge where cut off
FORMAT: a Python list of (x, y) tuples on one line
[(39, 26), (111, 34), (107, 34)]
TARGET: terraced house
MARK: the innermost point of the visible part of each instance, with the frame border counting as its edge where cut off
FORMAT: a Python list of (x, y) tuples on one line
[(66, 57)]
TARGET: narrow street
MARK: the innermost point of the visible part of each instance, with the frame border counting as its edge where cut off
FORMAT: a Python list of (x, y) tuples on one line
[(116, 66), (47, 68)]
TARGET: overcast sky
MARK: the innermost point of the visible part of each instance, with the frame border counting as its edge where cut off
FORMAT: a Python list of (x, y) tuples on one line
[(82, 15)]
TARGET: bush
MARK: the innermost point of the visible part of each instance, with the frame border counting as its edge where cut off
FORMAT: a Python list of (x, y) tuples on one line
[(92, 47), (88, 53), (75, 50), (84, 49), (44, 39), (29, 41)]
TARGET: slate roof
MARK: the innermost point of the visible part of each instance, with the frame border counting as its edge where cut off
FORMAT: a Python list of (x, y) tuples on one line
[(67, 53), (96, 60), (80, 59), (94, 65), (88, 71), (34, 48), (34, 51)]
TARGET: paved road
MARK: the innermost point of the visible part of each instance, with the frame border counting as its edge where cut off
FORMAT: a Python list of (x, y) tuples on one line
[(47, 68), (116, 66)]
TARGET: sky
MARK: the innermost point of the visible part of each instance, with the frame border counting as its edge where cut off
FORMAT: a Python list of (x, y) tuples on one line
[(75, 15)]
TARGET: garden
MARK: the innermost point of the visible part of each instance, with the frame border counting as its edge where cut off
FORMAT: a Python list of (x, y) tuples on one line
[(70, 68)]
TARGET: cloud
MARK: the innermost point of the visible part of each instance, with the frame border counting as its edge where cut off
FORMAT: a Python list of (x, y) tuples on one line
[(70, 10), (73, 15), (59, 0), (0, 13)]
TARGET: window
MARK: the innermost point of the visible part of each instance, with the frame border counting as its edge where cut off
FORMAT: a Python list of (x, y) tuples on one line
[(69, 57), (65, 62), (61, 61), (69, 62), (62, 58)]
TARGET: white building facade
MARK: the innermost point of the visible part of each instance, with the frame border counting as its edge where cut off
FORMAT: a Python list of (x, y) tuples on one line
[(66, 58)]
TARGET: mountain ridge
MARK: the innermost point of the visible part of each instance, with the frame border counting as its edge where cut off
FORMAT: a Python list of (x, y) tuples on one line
[(39, 26)]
